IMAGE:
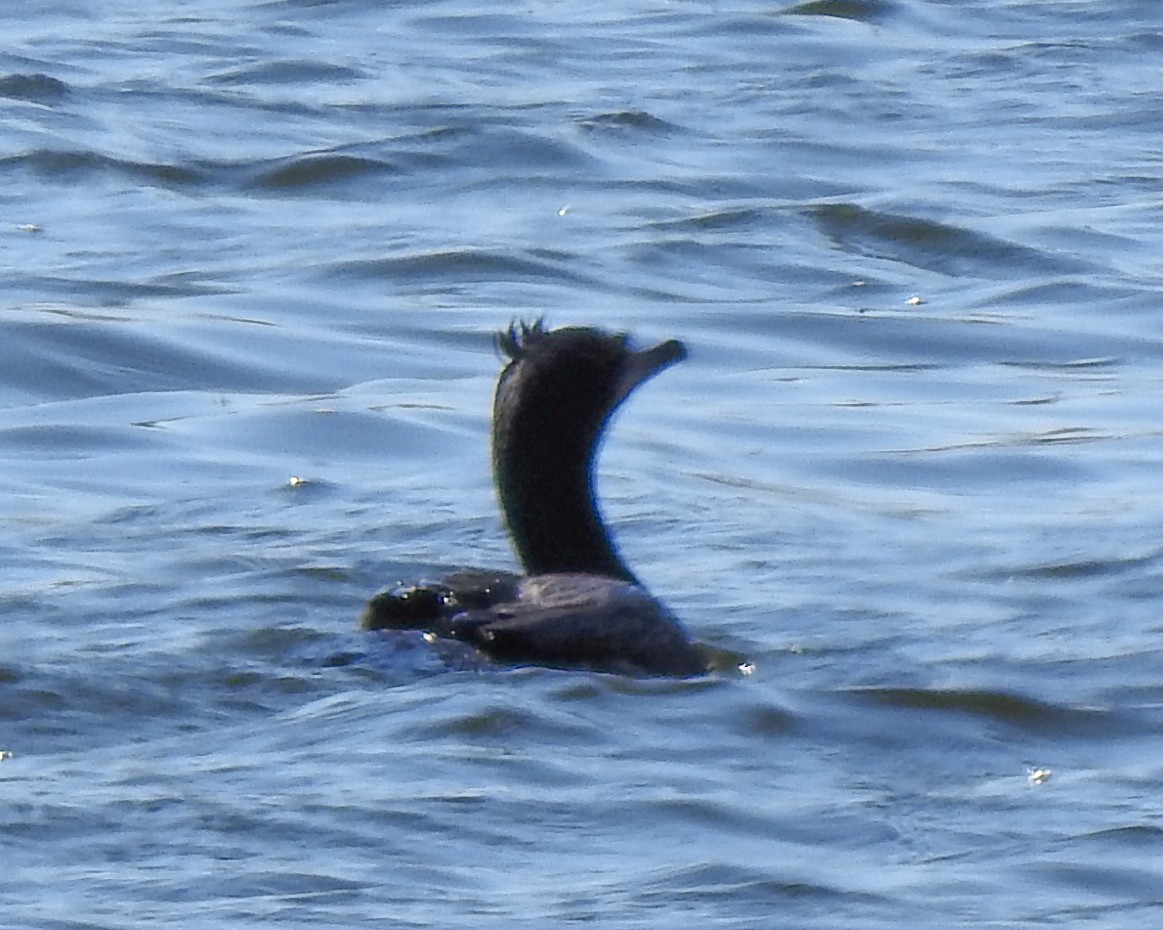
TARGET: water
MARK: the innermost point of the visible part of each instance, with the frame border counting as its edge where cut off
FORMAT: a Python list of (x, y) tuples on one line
[(254, 254)]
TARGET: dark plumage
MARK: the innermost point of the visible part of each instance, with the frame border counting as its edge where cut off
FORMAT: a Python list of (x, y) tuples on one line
[(579, 605)]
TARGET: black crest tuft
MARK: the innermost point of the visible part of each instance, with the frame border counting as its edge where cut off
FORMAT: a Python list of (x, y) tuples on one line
[(511, 342)]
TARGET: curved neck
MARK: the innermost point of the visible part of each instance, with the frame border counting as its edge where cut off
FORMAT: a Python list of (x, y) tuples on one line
[(547, 495)]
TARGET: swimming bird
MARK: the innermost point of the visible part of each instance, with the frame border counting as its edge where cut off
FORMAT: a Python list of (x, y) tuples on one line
[(578, 605)]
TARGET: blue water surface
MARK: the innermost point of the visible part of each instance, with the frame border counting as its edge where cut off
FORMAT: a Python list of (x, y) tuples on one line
[(254, 255)]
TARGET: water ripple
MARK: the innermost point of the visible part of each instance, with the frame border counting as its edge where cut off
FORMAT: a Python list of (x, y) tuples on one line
[(939, 247), (1015, 709), (33, 87)]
